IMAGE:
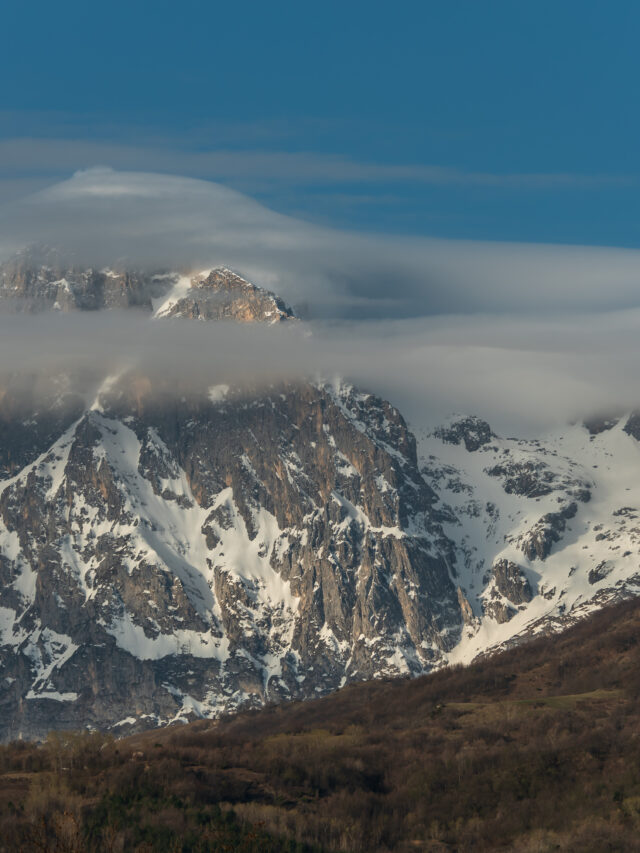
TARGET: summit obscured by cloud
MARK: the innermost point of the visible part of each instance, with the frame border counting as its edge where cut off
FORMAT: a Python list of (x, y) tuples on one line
[(100, 214), (526, 335)]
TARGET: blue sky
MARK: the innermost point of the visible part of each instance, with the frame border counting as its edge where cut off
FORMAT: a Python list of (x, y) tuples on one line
[(490, 121)]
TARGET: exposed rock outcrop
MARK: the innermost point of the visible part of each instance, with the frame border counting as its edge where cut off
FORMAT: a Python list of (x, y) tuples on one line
[(41, 279), (224, 295), (511, 582), (538, 542), (507, 588), (471, 431), (632, 426)]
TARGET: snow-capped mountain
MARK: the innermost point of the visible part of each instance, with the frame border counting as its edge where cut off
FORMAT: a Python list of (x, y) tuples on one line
[(544, 530), (167, 557), (165, 553), (39, 279)]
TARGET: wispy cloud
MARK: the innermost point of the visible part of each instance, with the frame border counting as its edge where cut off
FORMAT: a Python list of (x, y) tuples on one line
[(31, 157)]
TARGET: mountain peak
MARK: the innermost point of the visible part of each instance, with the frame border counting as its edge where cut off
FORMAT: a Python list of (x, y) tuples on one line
[(221, 293), (41, 278)]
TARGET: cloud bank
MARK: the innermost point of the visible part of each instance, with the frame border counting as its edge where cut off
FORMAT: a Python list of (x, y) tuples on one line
[(524, 335), (522, 375), (100, 215)]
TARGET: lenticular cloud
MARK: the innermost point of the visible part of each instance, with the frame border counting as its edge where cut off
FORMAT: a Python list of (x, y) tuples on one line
[(100, 215)]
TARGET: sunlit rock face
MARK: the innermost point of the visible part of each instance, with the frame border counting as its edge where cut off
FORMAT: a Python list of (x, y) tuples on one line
[(222, 294), (42, 279)]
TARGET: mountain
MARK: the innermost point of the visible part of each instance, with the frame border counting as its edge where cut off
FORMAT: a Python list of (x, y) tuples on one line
[(41, 278), (165, 555), (533, 749), (221, 294), (173, 552), (545, 531)]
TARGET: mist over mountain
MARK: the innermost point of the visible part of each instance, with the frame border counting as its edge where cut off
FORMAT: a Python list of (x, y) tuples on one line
[(528, 337)]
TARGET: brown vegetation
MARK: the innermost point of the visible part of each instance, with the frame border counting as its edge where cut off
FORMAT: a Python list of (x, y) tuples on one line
[(536, 749)]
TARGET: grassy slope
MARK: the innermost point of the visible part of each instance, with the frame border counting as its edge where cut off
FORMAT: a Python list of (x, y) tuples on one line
[(536, 749)]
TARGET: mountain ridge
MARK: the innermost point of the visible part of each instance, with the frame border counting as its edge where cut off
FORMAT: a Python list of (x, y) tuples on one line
[(167, 554)]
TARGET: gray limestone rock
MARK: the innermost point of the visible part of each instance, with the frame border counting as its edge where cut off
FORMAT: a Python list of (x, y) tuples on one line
[(41, 279), (508, 587)]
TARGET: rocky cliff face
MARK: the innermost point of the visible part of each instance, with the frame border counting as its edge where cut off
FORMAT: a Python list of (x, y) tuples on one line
[(221, 294), (40, 279), (167, 553), (164, 556)]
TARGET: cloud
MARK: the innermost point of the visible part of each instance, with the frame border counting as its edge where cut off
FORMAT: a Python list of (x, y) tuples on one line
[(102, 215), (31, 156), (522, 375), (524, 335)]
